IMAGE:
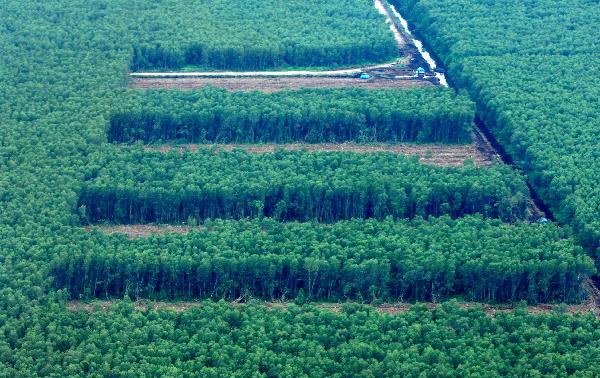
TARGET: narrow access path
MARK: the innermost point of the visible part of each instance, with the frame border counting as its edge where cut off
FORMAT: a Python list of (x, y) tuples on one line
[(538, 208), (294, 73), (384, 9), (403, 29)]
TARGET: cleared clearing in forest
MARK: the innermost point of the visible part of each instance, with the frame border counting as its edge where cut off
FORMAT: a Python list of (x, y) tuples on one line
[(445, 155), (274, 84), (134, 231), (386, 308)]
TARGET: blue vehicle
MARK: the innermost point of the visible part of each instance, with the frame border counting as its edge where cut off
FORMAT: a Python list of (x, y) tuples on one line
[(365, 76)]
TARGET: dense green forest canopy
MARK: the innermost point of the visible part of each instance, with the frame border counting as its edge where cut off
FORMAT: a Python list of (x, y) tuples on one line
[(64, 70), (534, 70), (548, 28), (255, 34), (138, 186), (217, 340), (315, 116), (481, 260)]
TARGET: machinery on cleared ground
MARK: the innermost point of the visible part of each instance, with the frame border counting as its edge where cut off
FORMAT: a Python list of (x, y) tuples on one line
[(402, 73)]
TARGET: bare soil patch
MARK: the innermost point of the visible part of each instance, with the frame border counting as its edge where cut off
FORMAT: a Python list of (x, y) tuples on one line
[(139, 305), (273, 84), (134, 231), (448, 155)]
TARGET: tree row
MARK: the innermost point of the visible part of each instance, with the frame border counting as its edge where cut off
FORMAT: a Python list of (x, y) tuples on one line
[(314, 116), (477, 259), (64, 65), (138, 186), (252, 35), (207, 55)]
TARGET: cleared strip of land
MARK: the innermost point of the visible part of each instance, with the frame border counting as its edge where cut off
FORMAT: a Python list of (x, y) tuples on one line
[(274, 84), (386, 308), (590, 305), (448, 155), (134, 231)]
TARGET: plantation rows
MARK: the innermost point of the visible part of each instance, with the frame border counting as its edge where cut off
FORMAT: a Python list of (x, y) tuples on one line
[(536, 87), (254, 35), (138, 186), (64, 70), (480, 260), (313, 116)]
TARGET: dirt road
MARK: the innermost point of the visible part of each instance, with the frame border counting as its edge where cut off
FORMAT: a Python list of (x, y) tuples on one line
[(293, 73)]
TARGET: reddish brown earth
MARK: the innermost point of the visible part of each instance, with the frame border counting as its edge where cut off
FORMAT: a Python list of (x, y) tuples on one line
[(139, 230), (273, 84)]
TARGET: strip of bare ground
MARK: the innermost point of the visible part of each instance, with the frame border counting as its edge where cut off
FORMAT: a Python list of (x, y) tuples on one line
[(273, 84), (448, 155), (135, 231), (387, 308)]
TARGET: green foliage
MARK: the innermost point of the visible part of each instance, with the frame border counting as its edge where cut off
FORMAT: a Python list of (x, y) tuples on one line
[(218, 340), (535, 77), (212, 115), (550, 28), (138, 186), (480, 260), (254, 34), (64, 72)]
